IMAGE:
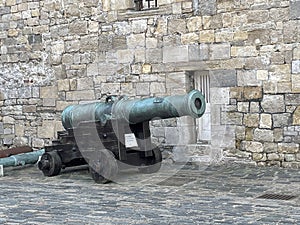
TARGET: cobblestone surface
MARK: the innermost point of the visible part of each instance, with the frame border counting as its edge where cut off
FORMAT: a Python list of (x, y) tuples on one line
[(208, 195)]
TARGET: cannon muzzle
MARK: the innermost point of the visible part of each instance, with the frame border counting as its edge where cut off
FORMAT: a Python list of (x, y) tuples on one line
[(135, 110)]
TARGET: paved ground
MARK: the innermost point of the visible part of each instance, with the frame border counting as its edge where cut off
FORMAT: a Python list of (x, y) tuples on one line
[(193, 195)]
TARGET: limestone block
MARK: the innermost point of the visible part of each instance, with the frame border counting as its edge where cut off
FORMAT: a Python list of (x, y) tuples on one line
[(20, 141), (10, 2), (139, 26), (49, 102), (294, 9), (252, 93), (252, 146), (224, 36), (263, 135), (49, 92), (262, 74), (265, 121), (280, 73), (288, 148), (29, 108), (240, 35), (58, 47), (177, 8), (142, 89), (223, 78), (237, 93), (219, 51), (151, 42), (273, 103), (204, 51), (162, 26), (78, 27), (273, 156), (292, 99), (207, 36), (80, 95), (270, 147), (19, 129), (154, 55), (290, 157), (89, 43), (296, 116), (296, 67), (243, 51), (281, 120), (194, 23), (63, 85), (207, 7), (37, 143), (175, 54), (258, 157), (251, 120), (125, 56), (194, 52), (46, 130), (232, 118), (254, 107), (219, 96), (296, 53), (189, 38), (85, 83), (247, 78), (127, 89), (243, 107), (146, 68), (176, 80), (136, 40), (157, 88), (177, 26)]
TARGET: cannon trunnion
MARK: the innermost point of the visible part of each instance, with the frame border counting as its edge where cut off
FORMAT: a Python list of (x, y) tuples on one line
[(115, 134)]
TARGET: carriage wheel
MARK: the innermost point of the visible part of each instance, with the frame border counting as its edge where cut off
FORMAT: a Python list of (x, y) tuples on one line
[(50, 164)]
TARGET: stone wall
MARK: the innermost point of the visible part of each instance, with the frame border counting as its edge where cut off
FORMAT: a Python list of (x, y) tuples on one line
[(59, 52)]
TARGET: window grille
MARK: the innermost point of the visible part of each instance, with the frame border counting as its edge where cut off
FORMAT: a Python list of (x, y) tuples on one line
[(203, 85), (145, 4)]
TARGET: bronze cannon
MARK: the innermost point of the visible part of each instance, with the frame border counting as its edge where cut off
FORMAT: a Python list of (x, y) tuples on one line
[(115, 133)]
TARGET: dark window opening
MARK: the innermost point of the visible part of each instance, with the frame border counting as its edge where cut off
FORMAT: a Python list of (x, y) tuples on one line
[(145, 4)]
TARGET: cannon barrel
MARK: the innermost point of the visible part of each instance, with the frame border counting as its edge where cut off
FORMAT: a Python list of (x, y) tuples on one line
[(136, 110), (22, 159)]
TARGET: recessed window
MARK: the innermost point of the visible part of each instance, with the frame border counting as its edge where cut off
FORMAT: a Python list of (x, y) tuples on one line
[(145, 4)]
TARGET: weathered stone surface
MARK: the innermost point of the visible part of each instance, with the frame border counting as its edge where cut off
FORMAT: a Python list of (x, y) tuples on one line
[(80, 95), (207, 7), (46, 130), (251, 120), (252, 93), (48, 92), (265, 121), (288, 148), (223, 78), (247, 51), (175, 54), (281, 120), (296, 116), (294, 11), (273, 103), (292, 99), (247, 78), (219, 51), (296, 66), (252, 146), (263, 135)]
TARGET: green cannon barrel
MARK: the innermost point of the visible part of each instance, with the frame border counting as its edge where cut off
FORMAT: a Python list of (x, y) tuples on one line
[(22, 159), (136, 110)]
